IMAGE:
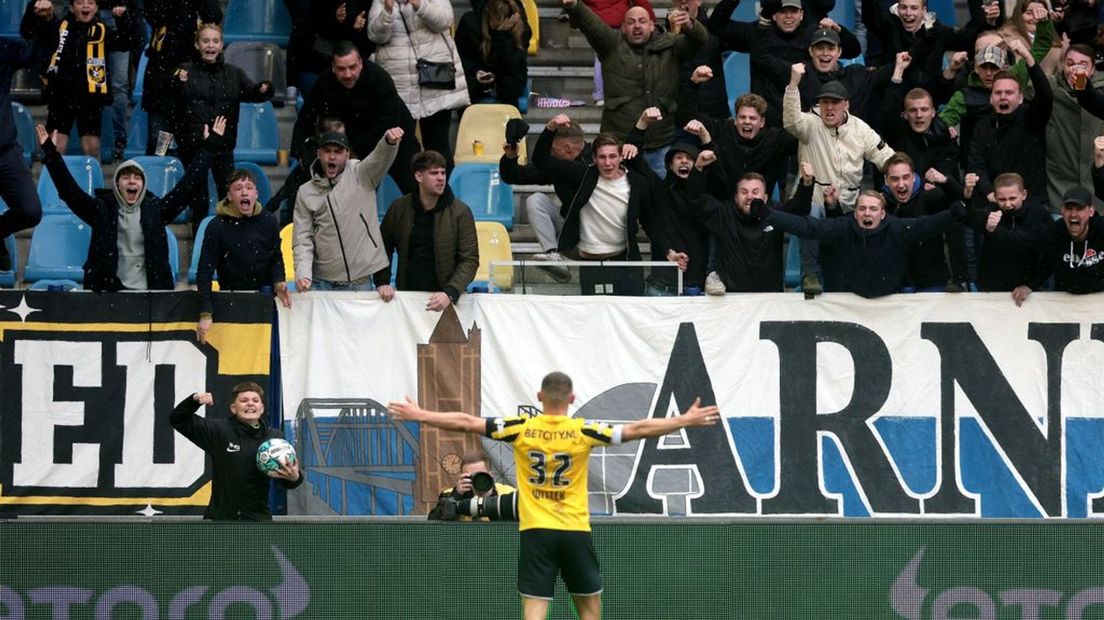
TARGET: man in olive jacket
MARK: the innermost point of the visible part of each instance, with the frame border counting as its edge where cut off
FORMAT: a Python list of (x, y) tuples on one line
[(641, 70), (434, 234)]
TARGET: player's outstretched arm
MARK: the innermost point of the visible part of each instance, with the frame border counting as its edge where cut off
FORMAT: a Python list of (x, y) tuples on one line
[(447, 420), (696, 415)]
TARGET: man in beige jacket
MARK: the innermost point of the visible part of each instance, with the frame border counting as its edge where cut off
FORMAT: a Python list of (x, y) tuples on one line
[(337, 243)]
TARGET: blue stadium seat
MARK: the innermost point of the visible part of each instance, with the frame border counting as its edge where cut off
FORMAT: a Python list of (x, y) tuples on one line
[(792, 277), (737, 68), (139, 80), (7, 278), (262, 61), (107, 137), (162, 173), (193, 266), (387, 193), (745, 12), (59, 247), (844, 14), (479, 186), (136, 133), (174, 253), (45, 285), (86, 172), (944, 11), (264, 187), (258, 134), (266, 21), (11, 13), (25, 131)]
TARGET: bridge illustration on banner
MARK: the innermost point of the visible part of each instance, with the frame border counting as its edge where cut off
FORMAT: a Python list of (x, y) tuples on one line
[(356, 458)]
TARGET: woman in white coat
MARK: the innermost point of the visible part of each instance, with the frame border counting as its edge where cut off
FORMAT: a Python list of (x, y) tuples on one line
[(405, 31)]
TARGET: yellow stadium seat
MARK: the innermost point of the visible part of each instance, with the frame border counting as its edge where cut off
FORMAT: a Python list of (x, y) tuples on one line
[(485, 122), (533, 18), (494, 245), (285, 249)]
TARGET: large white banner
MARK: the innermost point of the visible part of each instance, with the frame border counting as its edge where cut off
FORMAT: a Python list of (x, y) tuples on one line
[(911, 405)]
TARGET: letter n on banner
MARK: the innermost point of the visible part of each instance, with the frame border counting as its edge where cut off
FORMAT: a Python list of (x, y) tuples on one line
[(87, 383)]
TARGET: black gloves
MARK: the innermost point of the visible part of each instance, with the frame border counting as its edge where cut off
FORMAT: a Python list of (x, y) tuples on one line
[(759, 209), (516, 130)]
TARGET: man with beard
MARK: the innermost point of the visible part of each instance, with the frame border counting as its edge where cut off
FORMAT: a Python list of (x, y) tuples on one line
[(337, 242), (866, 254), (363, 96), (910, 195), (1072, 247), (749, 251), (1072, 126), (433, 233), (1013, 137), (641, 70), (242, 243), (1003, 264), (129, 249)]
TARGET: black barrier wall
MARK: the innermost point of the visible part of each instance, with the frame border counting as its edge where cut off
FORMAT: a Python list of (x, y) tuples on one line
[(655, 569)]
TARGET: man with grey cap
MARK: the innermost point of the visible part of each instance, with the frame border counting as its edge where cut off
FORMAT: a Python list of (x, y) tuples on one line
[(337, 243), (837, 145), (129, 249), (1072, 247)]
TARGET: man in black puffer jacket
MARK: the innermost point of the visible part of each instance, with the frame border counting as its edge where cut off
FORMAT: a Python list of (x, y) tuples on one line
[(239, 489), (363, 96), (866, 254), (242, 243), (129, 248)]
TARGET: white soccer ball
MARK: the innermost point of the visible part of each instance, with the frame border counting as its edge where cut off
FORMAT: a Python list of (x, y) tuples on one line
[(272, 453)]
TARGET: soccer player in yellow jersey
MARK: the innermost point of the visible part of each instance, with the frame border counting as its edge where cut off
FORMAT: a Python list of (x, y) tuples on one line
[(551, 451)]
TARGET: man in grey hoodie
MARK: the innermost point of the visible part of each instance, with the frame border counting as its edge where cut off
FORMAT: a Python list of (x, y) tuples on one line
[(337, 243), (129, 249)]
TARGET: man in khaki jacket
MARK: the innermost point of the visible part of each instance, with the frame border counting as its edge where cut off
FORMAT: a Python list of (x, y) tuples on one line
[(641, 70), (337, 243), (434, 235)]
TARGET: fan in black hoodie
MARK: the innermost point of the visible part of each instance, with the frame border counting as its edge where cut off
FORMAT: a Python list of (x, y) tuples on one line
[(17, 190)]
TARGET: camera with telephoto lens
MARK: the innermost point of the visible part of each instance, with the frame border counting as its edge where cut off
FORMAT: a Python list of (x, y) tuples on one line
[(493, 508), (482, 482)]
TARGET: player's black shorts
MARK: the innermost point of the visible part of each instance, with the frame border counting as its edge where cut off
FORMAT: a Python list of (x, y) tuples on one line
[(61, 113), (542, 554)]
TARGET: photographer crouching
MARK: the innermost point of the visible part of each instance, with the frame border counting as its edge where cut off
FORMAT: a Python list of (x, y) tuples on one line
[(477, 494)]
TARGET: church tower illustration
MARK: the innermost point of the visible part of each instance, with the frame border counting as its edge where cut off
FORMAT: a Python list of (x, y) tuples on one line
[(448, 380)]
